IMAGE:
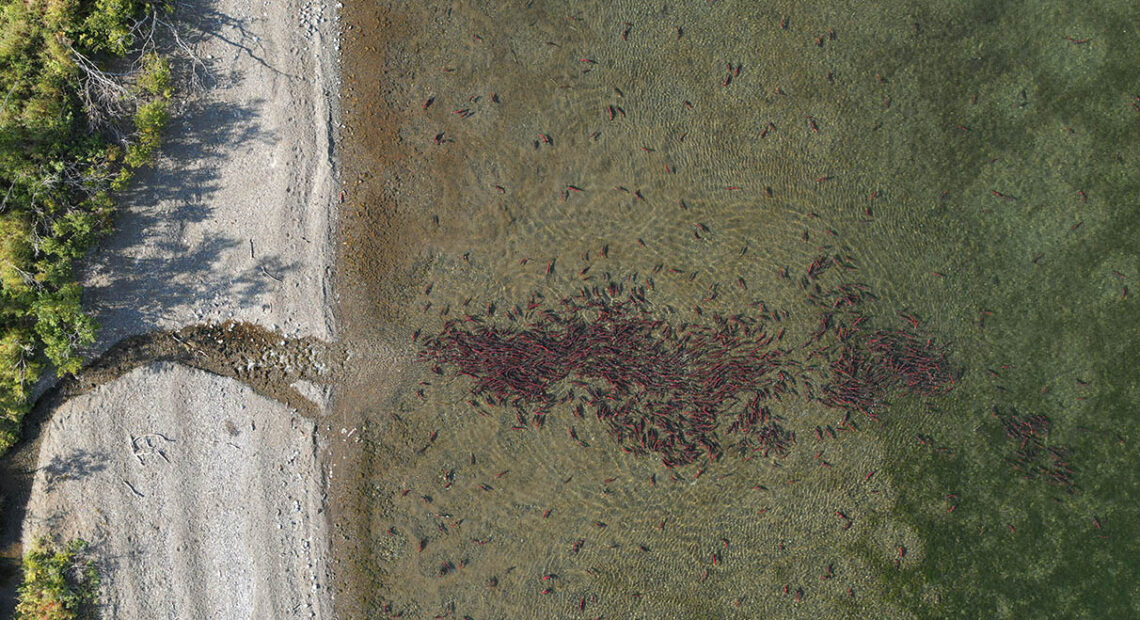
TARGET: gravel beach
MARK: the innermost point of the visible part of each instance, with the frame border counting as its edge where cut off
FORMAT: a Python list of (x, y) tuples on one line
[(201, 498)]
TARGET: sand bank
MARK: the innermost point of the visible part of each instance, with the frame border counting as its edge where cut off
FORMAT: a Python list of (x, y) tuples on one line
[(202, 498)]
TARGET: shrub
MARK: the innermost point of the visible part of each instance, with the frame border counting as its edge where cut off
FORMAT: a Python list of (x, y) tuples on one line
[(62, 326), (150, 120), (154, 76), (57, 171), (60, 583), (15, 252)]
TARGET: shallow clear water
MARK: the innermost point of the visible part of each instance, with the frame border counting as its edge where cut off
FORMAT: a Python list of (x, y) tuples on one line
[(978, 162)]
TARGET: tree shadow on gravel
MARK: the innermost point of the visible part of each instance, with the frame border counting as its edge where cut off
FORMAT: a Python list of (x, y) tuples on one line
[(78, 464), (236, 33), (201, 22), (156, 260), (153, 263)]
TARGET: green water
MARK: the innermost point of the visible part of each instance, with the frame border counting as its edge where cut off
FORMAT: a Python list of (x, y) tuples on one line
[(1002, 157)]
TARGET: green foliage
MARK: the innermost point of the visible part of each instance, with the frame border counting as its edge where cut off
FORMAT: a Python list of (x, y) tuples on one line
[(150, 120), (17, 360), (60, 583), (72, 234), (56, 175), (18, 368), (107, 28), (151, 117), (155, 76), (15, 252), (62, 326)]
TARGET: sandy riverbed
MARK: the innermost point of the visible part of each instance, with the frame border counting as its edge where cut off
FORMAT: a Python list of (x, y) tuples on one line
[(202, 498)]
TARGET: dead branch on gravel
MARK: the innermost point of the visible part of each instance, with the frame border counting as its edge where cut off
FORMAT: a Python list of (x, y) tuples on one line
[(109, 96)]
